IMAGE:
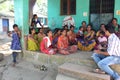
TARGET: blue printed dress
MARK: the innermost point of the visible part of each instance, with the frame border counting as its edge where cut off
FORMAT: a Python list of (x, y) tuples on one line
[(15, 45)]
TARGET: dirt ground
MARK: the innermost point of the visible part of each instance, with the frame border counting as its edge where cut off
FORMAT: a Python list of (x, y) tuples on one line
[(24, 70)]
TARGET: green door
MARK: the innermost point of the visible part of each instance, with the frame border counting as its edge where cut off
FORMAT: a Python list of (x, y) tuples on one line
[(101, 12)]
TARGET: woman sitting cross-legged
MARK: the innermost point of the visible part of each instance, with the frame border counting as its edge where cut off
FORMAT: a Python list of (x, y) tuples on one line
[(41, 35), (46, 44), (102, 28), (32, 41), (63, 44), (88, 43), (55, 37), (72, 36)]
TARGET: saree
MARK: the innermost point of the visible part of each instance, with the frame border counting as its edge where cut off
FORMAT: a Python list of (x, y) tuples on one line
[(63, 46), (40, 38), (62, 42), (32, 45), (46, 46), (87, 43), (72, 39)]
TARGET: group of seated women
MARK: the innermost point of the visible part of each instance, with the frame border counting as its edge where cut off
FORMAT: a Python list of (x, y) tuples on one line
[(66, 41), (50, 43)]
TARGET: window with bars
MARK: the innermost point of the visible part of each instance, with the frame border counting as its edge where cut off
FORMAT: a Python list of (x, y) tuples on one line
[(68, 7), (102, 6)]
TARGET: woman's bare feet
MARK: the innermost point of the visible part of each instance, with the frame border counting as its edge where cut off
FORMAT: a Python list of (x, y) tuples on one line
[(98, 71)]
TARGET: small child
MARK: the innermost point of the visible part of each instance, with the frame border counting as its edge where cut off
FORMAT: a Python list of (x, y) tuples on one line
[(102, 41), (15, 44), (80, 32)]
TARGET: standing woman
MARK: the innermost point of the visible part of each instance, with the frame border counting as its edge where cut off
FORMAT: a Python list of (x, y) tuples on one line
[(32, 41), (46, 44), (15, 45)]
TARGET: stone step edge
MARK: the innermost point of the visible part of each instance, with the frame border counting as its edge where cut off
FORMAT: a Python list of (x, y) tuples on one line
[(64, 77), (66, 57), (78, 71)]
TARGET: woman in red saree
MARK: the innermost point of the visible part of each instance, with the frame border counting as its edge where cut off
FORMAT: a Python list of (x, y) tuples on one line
[(46, 44), (63, 44), (72, 36)]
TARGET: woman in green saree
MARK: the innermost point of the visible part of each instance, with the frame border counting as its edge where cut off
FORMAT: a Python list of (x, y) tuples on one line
[(32, 41)]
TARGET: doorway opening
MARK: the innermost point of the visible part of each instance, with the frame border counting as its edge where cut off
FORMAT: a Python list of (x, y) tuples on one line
[(101, 12)]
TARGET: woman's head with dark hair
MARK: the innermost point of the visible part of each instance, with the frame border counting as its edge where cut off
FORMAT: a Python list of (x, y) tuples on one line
[(83, 23), (40, 30), (65, 27), (114, 21), (89, 27), (63, 32), (102, 27), (32, 31), (72, 28), (57, 31), (49, 33)]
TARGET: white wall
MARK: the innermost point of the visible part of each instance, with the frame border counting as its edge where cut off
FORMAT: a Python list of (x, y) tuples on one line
[(11, 22), (1, 29)]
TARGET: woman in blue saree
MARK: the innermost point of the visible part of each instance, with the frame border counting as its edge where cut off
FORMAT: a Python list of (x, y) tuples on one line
[(88, 42)]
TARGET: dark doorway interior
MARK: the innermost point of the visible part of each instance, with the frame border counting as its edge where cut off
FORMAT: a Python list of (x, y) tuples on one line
[(101, 11)]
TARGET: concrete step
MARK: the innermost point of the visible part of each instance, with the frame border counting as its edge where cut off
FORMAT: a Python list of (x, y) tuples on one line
[(64, 77), (79, 72), (81, 58)]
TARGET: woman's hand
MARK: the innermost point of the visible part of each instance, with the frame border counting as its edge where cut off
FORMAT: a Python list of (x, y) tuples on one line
[(97, 51), (36, 41)]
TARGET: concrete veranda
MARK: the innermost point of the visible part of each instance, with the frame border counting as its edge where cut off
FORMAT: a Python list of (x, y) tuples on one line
[(26, 70)]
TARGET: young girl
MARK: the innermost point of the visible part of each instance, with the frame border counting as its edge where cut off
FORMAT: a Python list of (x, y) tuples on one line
[(15, 45), (102, 41), (46, 44), (80, 34)]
